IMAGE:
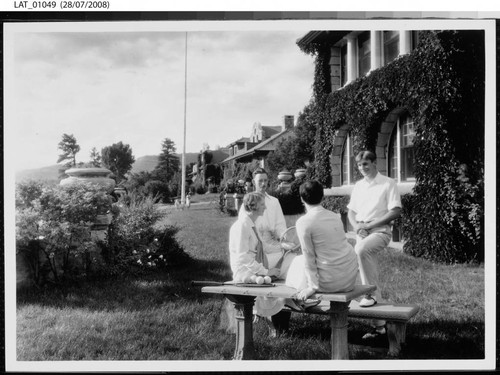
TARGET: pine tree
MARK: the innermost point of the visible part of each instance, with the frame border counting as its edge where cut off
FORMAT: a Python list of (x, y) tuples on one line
[(95, 157), (168, 162), (70, 148)]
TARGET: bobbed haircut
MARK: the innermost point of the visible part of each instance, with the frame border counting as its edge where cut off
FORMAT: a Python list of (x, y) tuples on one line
[(311, 192), (365, 155), (250, 201)]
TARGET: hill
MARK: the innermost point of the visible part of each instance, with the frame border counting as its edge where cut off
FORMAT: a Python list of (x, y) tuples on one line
[(50, 174), (148, 163), (144, 163)]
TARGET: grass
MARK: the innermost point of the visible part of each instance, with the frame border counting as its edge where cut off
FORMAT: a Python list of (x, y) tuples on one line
[(160, 316)]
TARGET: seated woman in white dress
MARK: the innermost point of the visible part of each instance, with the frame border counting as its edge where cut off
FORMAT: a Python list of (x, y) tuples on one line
[(328, 262), (246, 253)]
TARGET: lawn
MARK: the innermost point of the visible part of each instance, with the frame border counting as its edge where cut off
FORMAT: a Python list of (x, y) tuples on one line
[(160, 316)]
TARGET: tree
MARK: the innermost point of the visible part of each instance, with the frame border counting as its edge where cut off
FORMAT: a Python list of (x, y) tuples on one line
[(294, 152), (118, 159), (168, 162), (69, 149), (95, 157)]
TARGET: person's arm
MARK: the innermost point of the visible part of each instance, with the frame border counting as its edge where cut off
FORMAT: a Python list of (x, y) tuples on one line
[(243, 254), (311, 269), (280, 223), (391, 215), (351, 214)]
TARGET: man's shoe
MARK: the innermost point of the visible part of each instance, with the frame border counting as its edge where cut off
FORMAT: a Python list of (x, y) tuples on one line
[(310, 303), (294, 304), (367, 301), (376, 333)]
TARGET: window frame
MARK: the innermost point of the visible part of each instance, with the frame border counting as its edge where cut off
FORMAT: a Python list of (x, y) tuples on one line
[(351, 164), (395, 150)]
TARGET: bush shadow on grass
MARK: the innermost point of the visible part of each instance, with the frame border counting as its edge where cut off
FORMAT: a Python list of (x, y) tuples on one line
[(134, 292), (442, 340)]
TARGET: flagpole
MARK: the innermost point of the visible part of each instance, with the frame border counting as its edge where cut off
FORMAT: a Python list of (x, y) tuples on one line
[(183, 167)]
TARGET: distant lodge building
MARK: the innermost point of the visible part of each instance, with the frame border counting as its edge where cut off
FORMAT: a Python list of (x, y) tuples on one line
[(256, 147)]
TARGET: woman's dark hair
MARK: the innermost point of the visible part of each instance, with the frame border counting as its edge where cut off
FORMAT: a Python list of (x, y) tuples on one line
[(311, 192)]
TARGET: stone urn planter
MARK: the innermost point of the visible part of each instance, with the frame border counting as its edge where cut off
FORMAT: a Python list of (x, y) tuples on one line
[(98, 176), (299, 173), (284, 176)]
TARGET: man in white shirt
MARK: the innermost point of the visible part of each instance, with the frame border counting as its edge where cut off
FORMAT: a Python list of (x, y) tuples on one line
[(271, 225), (375, 202)]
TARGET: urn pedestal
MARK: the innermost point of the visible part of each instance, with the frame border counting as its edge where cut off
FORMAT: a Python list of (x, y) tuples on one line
[(98, 176)]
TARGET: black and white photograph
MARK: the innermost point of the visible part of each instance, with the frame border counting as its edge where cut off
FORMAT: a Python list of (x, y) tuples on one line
[(249, 191)]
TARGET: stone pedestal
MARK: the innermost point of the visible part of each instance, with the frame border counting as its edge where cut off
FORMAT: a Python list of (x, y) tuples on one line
[(98, 176)]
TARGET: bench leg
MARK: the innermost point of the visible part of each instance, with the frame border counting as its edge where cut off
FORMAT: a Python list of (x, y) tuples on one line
[(338, 323), (280, 322), (244, 329), (396, 333)]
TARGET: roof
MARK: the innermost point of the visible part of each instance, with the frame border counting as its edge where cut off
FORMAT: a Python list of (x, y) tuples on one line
[(269, 131), (319, 36), (241, 140), (264, 146)]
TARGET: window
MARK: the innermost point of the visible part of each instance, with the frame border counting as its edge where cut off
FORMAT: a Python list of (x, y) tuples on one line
[(401, 156), (348, 162), (391, 46), (415, 37), (364, 53)]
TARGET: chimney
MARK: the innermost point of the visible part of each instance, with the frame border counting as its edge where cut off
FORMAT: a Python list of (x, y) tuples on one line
[(288, 121)]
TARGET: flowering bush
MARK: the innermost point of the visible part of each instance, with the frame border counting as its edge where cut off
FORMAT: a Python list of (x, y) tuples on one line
[(53, 227), (135, 242)]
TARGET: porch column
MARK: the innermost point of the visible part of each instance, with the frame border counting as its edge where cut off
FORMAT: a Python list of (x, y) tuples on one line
[(352, 61), (404, 42), (376, 50)]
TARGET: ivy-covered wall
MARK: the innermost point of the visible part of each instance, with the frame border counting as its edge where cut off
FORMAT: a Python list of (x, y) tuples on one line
[(441, 85)]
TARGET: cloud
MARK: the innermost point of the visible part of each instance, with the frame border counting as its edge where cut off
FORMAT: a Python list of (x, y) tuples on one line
[(106, 87)]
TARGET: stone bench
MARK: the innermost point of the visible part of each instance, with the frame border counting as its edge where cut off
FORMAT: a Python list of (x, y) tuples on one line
[(395, 315), (243, 298)]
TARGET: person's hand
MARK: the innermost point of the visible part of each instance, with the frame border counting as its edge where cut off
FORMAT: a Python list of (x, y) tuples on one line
[(305, 294), (362, 233), (362, 230), (273, 272), (287, 245)]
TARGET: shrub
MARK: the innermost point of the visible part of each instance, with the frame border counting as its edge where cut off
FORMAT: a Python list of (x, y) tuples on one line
[(159, 189), (199, 188), (53, 228), (134, 241), (336, 204)]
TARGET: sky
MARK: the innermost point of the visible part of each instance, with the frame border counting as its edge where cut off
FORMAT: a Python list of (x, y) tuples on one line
[(104, 87)]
